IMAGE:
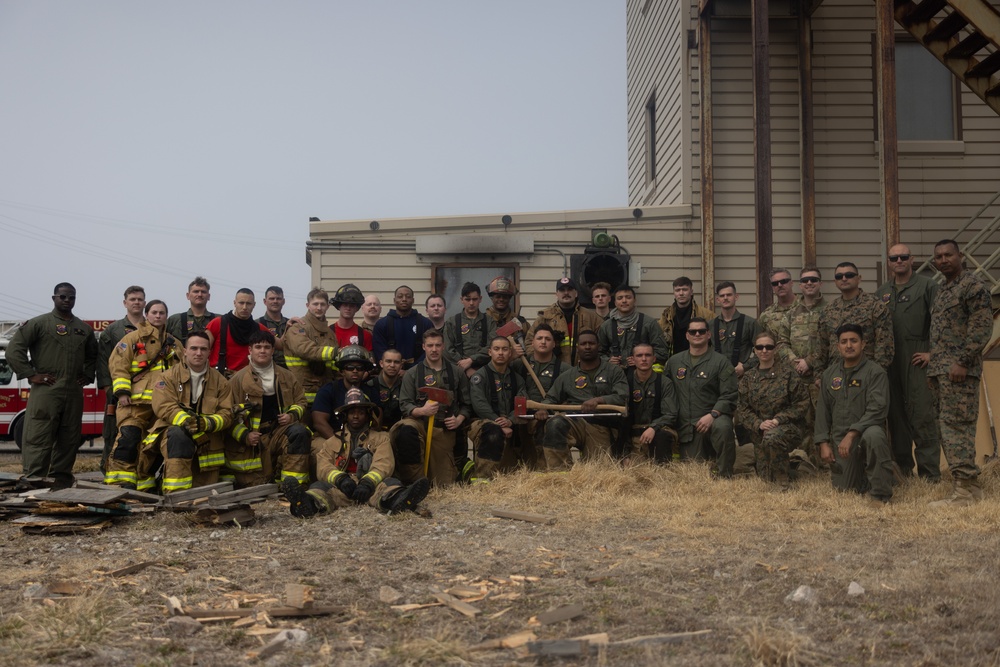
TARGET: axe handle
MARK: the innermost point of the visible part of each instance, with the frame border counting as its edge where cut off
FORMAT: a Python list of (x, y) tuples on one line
[(427, 446), (535, 405), (531, 372)]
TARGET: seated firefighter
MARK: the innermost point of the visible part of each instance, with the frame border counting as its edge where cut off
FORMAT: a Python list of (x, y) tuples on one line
[(591, 383), (496, 439), (193, 404), (646, 434), (354, 467), (268, 441)]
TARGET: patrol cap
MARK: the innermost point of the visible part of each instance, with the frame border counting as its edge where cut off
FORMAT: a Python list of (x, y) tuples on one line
[(565, 284)]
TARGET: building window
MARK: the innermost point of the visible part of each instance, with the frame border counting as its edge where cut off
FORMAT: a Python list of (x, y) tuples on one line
[(926, 96), (449, 278), (651, 138)]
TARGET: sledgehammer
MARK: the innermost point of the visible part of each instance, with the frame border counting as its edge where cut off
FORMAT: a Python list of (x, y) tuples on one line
[(443, 397)]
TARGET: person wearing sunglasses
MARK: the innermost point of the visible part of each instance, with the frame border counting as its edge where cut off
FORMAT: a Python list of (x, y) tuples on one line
[(857, 307), (784, 298), (771, 411), (912, 416), (705, 388)]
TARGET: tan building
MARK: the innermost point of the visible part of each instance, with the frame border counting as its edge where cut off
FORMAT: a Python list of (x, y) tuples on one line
[(838, 187)]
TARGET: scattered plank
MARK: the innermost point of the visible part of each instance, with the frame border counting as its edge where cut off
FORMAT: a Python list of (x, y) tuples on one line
[(531, 517), (131, 569), (415, 607), (463, 608), (80, 496), (510, 641), (298, 596), (242, 515), (558, 614), (179, 498), (131, 494), (51, 525), (661, 639), (254, 493), (273, 612), (559, 647)]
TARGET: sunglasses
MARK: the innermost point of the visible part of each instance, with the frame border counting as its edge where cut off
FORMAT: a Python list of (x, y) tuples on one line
[(764, 347), (846, 274), (899, 258), (783, 281), (697, 332), (809, 279)]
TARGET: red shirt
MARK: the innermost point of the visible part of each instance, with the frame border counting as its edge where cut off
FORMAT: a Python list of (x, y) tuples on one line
[(353, 336), (237, 356)]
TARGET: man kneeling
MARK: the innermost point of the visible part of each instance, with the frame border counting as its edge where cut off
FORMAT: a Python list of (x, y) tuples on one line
[(354, 467)]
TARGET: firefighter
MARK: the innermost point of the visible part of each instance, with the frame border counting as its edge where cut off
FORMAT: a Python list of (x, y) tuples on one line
[(567, 318), (354, 467), (355, 363), (310, 346), (135, 366), (193, 404), (347, 300), (57, 354), (268, 441)]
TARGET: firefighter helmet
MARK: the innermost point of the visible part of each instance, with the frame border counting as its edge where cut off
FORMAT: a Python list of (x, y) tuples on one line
[(349, 294), (501, 285), (355, 354)]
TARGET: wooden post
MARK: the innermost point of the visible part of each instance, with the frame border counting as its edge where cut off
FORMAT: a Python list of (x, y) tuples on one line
[(705, 126), (888, 162), (762, 150), (807, 147)]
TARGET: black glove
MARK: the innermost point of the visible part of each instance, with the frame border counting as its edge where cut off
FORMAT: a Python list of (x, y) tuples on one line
[(345, 484), (364, 491)]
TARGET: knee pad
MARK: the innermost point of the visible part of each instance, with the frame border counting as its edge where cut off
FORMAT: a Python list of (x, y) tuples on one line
[(556, 429), (179, 444), (299, 440), (663, 445), (407, 446), (491, 442), (127, 447)]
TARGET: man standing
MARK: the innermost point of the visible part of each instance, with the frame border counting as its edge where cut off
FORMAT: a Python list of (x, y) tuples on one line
[(853, 404), (409, 435), (600, 296), (274, 320), (855, 306), (590, 383), (706, 391), (468, 333), (675, 318), (912, 419), (57, 354), (385, 386), (567, 318), (347, 300), (135, 301), (402, 329), (961, 325), (495, 437), (784, 298), (372, 311), (310, 347), (197, 317), (231, 334), (436, 308), (733, 332), (193, 403), (501, 290), (626, 328)]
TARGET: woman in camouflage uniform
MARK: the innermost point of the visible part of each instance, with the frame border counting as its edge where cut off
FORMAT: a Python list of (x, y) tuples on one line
[(772, 408)]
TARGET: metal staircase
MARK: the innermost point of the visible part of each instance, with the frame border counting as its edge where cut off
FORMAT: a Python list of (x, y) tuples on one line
[(963, 34)]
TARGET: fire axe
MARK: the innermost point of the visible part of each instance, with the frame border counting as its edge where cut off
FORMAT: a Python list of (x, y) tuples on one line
[(443, 397), (522, 405)]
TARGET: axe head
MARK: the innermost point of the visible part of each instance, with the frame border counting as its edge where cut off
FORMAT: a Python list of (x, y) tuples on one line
[(511, 328), (442, 396), (521, 406)]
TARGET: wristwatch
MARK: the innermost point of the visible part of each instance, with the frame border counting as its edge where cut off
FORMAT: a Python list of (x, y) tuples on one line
[(715, 414)]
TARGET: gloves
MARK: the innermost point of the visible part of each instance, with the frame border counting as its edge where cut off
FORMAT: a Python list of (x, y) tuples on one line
[(364, 491), (205, 425), (345, 484), (191, 425)]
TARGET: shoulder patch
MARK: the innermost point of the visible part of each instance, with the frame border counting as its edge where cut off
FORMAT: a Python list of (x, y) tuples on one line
[(476, 379), (160, 385), (837, 383), (886, 297)]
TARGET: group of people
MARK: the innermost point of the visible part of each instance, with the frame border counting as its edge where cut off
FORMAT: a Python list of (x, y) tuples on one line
[(375, 410)]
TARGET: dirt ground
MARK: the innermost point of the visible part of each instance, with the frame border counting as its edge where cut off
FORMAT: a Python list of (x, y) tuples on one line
[(645, 551)]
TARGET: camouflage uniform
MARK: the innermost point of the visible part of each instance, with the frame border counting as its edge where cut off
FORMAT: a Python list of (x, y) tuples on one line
[(182, 324), (776, 393), (724, 338), (856, 399), (867, 311), (961, 326), (912, 417), (774, 317), (702, 385), (798, 338)]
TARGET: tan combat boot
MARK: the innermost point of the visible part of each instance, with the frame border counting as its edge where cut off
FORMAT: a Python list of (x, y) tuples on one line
[(965, 492)]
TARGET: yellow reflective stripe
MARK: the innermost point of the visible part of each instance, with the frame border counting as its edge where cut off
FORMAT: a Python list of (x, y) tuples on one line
[(121, 384), (374, 477), (238, 432), (211, 460), (327, 353), (119, 477), (332, 477), (145, 484), (310, 397), (215, 422), (296, 410), (160, 366), (301, 477), (151, 438), (295, 362), (177, 483), (255, 423), (180, 418), (146, 396), (244, 465), (657, 368), (226, 477), (566, 342)]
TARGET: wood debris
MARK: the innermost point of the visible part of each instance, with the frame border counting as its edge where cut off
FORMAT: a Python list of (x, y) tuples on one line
[(461, 607), (530, 517), (564, 613), (298, 596)]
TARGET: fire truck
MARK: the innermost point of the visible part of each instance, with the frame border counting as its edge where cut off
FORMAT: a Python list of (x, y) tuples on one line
[(14, 393)]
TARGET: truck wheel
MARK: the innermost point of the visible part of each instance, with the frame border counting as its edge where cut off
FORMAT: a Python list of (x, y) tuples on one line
[(17, 430)]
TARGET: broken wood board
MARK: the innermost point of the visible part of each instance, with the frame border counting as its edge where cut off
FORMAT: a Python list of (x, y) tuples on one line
[(298, 596), (558, 614), (557, 647), (250, 494), (671, 638), (131, 494), (463, 608), (78, 496), (197, 493), (530, 517), (131, 569), (54, 525), (510, 641), (273, 612)]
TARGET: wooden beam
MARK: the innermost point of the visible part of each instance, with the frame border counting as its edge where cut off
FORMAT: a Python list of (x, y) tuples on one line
[(762, 150), (888, 159), (707, 177), (807, 144)]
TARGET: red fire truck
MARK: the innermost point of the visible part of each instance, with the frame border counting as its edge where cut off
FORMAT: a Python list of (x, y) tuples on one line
[(14, 398)]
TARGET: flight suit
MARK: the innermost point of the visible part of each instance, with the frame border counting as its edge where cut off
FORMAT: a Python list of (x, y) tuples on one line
[(617, 340), (492, 394)]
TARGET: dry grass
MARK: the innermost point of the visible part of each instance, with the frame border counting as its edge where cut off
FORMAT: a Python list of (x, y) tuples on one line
[(646, 550)]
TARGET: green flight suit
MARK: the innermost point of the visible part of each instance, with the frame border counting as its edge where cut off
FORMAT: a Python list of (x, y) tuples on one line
[(547, 373), (67, 350), (739, 331), (469, 338), (701, 385), (182, 324), (856, 399), (614, 339), (912, 416), (492, 394)]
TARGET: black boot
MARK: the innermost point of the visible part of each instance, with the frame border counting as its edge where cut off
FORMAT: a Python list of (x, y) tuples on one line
[(409, 497), (301, 503)]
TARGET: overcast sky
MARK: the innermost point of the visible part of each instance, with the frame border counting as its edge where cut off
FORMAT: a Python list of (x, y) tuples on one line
[(151, 142)]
